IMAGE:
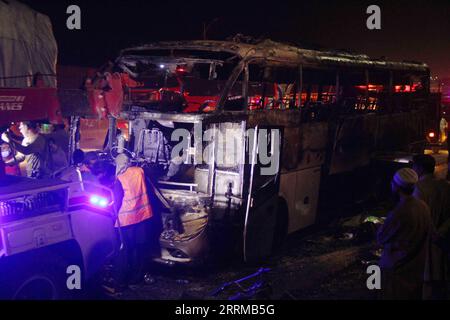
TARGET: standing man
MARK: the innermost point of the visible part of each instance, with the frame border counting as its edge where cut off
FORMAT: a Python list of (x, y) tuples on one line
[(33, 149), (404, 236), (57, 155), (61, 137), (134, 212), (436, 194)]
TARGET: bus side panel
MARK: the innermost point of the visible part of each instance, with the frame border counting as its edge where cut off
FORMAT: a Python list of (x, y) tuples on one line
[(300, 189), (304, 146), (353, 142), (314, 140), (398, 132), (357, 138), (261, 229)]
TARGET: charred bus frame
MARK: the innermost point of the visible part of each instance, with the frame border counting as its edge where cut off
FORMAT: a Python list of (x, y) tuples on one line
[(336, 112)]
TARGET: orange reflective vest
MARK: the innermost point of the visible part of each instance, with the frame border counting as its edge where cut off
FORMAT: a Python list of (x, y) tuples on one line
[(135, 206)]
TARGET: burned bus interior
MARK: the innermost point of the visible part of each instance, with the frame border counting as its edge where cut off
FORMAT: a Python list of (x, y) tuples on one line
[(265, 76)]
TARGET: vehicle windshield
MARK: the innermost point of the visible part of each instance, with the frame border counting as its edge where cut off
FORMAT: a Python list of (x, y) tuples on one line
[(180, 81)]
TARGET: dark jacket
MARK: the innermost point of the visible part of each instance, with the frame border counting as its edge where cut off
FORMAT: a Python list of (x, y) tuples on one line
[(404, 235), (436, 194), (36, 155)]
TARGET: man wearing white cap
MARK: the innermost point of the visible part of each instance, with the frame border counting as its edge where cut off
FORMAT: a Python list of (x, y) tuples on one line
[(404, 237)]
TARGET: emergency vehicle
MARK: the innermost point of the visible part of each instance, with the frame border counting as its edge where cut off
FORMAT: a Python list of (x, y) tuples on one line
[(46, 236), (49, 228)]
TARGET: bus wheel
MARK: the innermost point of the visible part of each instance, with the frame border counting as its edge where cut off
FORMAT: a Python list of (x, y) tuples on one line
[(281, 225)]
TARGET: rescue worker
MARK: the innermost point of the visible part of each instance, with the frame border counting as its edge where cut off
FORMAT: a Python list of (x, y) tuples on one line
[(78, 157), (33, 149), (61, 138), (2, 170), (11, 166), (404, 237), (133, 218), (58, 156), (90, 159), (79, 164), (78, 173), (436, 194)]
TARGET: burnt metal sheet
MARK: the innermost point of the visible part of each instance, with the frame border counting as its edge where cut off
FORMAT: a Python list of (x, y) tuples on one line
[(285, 118), (279, 52), (357, 139), (184, 117), (74, 102), (354, 141)]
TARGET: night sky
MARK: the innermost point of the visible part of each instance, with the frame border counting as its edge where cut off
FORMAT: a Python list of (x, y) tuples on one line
[(411, 30)]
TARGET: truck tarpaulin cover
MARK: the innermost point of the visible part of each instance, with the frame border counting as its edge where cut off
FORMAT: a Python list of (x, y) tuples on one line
[(27, 46)]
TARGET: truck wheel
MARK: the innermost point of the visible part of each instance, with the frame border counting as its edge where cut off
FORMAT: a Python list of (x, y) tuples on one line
[(43, 280), (37, 287)]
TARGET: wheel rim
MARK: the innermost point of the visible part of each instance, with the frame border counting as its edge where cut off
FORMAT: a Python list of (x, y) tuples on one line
[(36, 288)]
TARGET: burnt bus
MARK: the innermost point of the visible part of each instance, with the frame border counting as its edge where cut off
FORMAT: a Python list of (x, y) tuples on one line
[(265, 128)]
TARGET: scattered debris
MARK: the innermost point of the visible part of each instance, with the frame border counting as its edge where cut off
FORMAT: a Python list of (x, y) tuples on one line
[(360, 228), (312, 265), (368, 262), (135, 287), (257, 289), (347, 236), (377, 252), (149, 279), (182, 281), (374, 220), (352, 222), (371, 257)]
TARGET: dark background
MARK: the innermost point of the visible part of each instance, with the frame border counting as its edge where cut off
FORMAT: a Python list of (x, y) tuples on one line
[(411, 30)]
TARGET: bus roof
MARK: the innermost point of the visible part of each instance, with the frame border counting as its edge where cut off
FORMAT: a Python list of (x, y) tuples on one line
[(277, 53)]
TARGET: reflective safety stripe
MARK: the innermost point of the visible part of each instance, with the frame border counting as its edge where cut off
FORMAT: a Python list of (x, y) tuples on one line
[(134, 198), (134, 210)]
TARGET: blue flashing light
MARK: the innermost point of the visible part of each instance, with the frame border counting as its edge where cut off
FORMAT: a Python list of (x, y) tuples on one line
[(98, 201)]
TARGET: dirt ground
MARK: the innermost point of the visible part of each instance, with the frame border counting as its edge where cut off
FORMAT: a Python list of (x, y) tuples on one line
[(326, 262), (314, 264)]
